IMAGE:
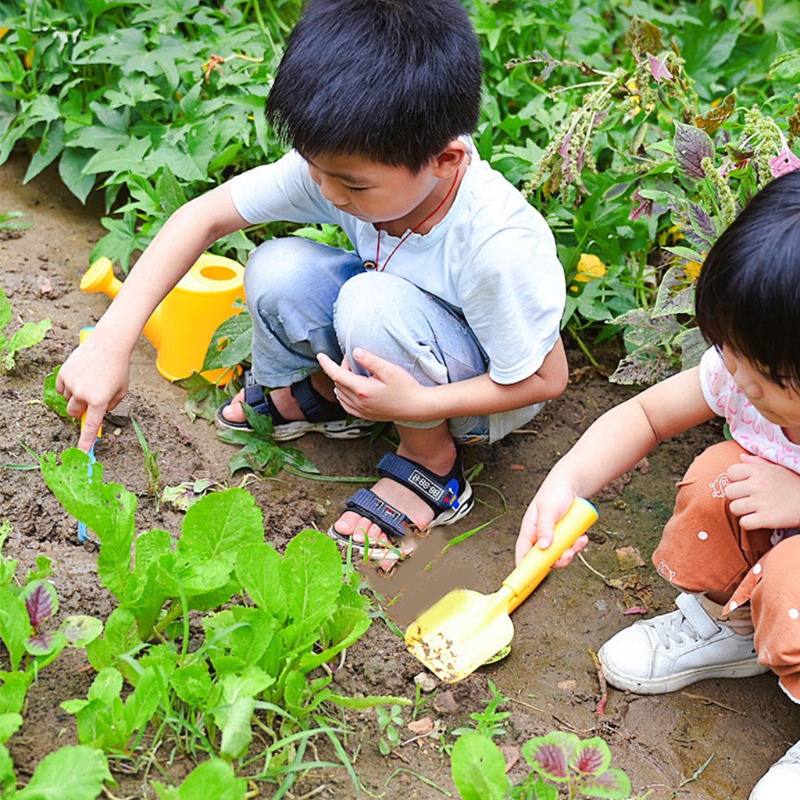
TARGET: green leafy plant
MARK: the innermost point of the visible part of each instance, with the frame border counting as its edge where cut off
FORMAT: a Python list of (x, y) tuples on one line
[(151, 468), (28, 335), (559, 761), (12, 221), (390, 722), (270, 623), (490, 721)]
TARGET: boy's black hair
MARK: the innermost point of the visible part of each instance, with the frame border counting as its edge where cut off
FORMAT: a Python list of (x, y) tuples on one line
[(389, 80), (748, 293)]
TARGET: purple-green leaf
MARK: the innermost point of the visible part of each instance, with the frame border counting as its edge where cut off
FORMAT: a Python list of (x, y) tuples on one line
[(41, 601), (550, 755), (592, 757), (42, 644), (613, 784), (691, 146)]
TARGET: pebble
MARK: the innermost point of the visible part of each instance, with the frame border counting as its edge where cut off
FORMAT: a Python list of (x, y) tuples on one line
[(426, 682)]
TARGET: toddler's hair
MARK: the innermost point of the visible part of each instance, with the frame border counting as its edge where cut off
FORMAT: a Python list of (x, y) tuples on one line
[(748, 293), (389, 80)]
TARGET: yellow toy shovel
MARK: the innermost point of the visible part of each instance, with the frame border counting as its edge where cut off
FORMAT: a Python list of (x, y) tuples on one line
[(465, 628)]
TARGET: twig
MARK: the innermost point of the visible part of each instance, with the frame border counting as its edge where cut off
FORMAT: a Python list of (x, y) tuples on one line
[(601, 703), (711, 702)]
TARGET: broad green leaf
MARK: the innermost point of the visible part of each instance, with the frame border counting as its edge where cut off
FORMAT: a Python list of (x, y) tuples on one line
[(81, 629), (52, 399), (30, 334), (233, 709), (10, 723), (143, 702), (77, 773), (258, 568), (238, 638), (8, 780), (311, 577), (71, 168), (107, 509), (231, 343), (478, 768), (345, 627), (14, 690), (211, 779), (219, 524), (192, 684), (15, 629), (120, 636)]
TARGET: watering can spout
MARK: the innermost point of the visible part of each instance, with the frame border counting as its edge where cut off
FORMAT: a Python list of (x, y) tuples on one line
[(183, 324)]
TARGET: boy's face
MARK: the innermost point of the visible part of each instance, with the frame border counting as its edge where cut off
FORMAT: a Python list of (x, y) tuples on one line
[(379, 193), (780, 405)]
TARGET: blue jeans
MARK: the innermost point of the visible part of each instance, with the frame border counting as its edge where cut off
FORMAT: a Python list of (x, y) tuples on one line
[(307, 298)]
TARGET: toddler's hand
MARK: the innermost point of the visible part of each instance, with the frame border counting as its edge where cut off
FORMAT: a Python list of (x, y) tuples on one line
[(763, 494), (546, 508)]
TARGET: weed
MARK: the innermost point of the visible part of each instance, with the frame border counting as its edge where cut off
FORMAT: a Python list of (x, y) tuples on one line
[(152, 470), (28, 335), (390, 722)]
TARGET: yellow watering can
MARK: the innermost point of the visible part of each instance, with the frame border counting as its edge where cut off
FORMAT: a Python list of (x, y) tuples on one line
[(183, 324)]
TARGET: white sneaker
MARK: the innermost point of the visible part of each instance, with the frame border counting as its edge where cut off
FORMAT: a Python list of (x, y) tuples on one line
[(782, 781), (668, 652)]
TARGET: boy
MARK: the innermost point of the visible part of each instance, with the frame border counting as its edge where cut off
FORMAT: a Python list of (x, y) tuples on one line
[(732, 545), (445, 319)]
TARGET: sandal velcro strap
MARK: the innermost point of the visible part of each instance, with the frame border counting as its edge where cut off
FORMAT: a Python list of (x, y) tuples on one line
[(391, 521), (440, 492), (315, 407)]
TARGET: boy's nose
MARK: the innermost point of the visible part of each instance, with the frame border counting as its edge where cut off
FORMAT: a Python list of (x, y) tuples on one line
[(333, 193)]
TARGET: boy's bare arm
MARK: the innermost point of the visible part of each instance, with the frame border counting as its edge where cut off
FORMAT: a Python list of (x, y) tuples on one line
[(615, 443), (95, 376)]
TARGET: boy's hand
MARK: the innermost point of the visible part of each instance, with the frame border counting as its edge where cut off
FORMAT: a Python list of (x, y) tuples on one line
[(390, 393), (763, 494), (93, 382), (546, 508)]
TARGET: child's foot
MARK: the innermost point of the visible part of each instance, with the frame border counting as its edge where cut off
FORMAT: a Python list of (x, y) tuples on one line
[(295, 410), (668, 652), (783, 778), (409, 497)]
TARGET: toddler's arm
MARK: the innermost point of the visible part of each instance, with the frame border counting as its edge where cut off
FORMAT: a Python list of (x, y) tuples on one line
[(95, 376), (615, 443)]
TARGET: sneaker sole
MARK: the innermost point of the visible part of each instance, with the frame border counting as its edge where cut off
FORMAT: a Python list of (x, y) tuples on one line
[(737, 669), (340, 429)]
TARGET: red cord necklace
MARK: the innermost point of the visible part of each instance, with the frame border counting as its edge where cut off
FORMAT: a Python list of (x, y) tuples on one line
[(402, 241)]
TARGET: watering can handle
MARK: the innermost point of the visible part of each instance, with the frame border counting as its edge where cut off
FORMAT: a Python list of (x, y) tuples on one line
[(535, 566)]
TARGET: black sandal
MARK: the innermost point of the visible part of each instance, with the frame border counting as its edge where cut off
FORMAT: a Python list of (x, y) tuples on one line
[(450, 496), (321, 415)]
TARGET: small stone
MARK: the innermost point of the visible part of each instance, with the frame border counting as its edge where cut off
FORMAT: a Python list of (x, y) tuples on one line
[(421, 727), (426, 682), (445, 703)]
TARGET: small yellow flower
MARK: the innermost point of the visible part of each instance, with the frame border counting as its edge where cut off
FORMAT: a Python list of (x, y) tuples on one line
[(589, 268), (692, 269), (4, 31)]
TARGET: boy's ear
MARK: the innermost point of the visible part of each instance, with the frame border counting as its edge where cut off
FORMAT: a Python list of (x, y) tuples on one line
[(451, 158)]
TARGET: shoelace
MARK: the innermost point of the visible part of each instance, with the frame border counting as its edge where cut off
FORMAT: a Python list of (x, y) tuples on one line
[(675, 628)]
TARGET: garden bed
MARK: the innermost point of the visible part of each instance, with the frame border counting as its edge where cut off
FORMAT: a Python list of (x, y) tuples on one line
[(710, 742)]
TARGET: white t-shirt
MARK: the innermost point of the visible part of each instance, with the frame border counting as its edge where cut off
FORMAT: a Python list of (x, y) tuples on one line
[(752, 431), (493, 258)]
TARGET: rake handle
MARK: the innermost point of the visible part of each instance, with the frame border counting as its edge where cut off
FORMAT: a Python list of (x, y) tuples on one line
[(535, 566)]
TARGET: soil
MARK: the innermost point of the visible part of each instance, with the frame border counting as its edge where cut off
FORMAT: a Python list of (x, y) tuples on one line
[(710, 742)]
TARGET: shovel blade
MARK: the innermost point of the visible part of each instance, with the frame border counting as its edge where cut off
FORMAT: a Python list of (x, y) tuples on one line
[(461, 632)]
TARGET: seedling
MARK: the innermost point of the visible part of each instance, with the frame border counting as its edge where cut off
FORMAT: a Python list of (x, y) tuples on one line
[(390, 722), (30, 334), (151, 469)]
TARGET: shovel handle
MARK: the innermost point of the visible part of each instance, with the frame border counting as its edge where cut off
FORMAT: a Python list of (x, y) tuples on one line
[(535, 566)]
